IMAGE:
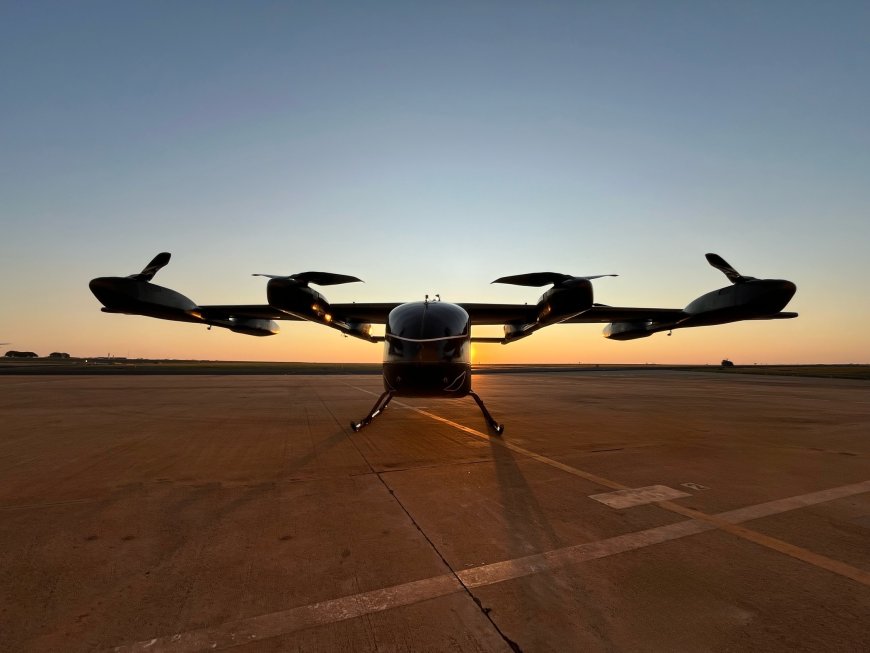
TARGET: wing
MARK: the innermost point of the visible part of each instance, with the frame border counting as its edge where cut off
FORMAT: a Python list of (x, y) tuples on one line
[(249, 319), (252, 311), (376, 313), (521, 320), (363, 312), (600, 313), (499, 313)]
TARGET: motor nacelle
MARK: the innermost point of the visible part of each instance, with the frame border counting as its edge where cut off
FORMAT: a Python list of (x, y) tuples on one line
[(297, 298), (556, 305), (252, 326), (358, 330), (135, 297), (629, 330), (565, 301), (744, 300)]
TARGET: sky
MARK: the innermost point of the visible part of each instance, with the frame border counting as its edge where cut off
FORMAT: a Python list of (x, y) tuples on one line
[(431, 148)]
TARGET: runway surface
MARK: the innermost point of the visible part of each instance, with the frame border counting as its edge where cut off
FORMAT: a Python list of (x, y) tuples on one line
[(620, 511)]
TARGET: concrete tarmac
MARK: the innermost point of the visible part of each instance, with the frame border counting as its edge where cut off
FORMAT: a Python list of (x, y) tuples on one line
[(620, 511)]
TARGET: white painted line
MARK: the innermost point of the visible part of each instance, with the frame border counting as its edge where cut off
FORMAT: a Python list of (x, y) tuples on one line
[(638, 496), (501, 571), (499, 441), (274, 624), (772, 543), (793, 503)]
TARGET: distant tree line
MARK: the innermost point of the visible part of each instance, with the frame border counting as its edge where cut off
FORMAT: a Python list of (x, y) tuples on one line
[(31, 354)]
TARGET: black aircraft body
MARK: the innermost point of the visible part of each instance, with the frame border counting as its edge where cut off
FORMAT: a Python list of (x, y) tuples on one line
[(427, 343)]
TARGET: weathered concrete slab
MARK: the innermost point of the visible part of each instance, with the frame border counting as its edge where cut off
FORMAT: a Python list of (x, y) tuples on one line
[(197, 513)]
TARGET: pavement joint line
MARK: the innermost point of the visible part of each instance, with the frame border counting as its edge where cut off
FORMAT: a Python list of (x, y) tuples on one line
[(283, 622), (728, 526), (465, 588)]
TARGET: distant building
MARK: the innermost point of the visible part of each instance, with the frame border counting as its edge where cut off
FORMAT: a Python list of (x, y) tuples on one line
[(21, 354), (58, 354)]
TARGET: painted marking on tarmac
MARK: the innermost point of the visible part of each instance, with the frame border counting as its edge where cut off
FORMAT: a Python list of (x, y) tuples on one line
[(772, 543), (780, 546), (497, 440), (275, 624), (639, 496)]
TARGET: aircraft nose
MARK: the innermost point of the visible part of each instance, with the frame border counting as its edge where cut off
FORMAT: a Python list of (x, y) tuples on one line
[(104, 288), (98, 285), (784, 291)]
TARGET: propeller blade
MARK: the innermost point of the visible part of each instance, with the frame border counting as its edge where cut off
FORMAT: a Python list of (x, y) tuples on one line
[(325, 278), (152, 268), (536, 279), (722, 265), (317, 278)]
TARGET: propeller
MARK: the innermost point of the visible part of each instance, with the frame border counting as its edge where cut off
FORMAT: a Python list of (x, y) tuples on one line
[(152, 268), (536, 279), (723, 266), (317, 278)]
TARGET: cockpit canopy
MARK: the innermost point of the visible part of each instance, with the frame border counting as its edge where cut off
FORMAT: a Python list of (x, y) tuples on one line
[(427, 332)]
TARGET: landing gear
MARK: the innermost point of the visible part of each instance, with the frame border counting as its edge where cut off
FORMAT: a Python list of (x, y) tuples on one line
[(385, 399), (379, 407), (495, 426)]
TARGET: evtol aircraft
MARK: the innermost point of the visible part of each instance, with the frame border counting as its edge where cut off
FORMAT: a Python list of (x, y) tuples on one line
[(427, 343)]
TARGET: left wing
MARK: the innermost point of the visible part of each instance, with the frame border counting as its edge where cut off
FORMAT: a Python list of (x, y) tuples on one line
[(252, 311)]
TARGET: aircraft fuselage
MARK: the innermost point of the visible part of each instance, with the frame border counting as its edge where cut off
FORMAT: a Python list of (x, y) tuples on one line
[(427, 350)]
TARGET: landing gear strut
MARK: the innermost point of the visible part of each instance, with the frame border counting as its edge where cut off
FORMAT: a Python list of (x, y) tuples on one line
[(495, 426), (385, 399), (379, 407)]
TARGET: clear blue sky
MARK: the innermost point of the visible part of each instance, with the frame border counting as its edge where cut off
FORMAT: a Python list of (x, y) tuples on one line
[(432, 147)]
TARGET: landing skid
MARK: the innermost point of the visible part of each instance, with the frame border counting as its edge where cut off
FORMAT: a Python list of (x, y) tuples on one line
[(379, 407), (385, 399), (495, 426)]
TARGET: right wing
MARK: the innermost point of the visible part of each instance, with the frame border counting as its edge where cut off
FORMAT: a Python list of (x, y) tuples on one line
[(601, 313)]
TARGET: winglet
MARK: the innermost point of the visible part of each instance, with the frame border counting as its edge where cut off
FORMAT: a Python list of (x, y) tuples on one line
[(152, 268), (723, 266)]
